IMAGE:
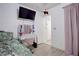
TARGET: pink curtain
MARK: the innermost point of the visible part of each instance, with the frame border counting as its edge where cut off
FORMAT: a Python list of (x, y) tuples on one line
[(71, 29), (25, 29)]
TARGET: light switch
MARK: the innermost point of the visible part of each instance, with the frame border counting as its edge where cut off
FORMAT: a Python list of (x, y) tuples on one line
[(54, 28)]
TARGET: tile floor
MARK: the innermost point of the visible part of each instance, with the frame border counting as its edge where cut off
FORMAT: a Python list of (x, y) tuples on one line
[(47, 50)]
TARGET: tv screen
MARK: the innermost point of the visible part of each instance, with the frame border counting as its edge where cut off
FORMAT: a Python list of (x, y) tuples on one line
[(26, 13)]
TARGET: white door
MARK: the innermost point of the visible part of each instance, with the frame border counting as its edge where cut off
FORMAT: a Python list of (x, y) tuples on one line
[(43, 29), (47, 29)]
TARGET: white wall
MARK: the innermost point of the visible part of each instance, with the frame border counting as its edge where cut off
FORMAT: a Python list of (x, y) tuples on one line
[(57, 23), (9, 20), (8, 17)]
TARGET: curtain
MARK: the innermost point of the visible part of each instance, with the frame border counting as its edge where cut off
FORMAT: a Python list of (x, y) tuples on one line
[(71, 29), (25, 29)]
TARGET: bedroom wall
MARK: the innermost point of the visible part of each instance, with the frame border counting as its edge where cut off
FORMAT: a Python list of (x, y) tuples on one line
[(57, 23), (8, 17), (9, 20)]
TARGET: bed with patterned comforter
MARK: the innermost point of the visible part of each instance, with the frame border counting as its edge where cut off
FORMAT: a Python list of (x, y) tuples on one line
[(12, 47)]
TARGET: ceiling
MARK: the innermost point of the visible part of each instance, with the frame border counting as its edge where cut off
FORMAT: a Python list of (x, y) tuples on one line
[(40, 6)]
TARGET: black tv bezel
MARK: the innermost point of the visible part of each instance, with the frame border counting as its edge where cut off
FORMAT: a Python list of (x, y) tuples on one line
[(25, 17)]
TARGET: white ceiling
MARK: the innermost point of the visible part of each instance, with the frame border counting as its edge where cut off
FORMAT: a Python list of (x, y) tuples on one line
[(40, 6)]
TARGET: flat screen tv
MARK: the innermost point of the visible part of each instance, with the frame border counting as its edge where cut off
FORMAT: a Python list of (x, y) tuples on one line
[(26, 13)]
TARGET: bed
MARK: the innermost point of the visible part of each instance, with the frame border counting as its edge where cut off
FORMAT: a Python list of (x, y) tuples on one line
[(12, 47)]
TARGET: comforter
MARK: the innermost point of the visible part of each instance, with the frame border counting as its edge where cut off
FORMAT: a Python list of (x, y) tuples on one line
[(12, 47)]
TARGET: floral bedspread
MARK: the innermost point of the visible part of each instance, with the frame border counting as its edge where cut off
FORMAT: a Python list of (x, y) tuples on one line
[(5, 49), (12, 47)]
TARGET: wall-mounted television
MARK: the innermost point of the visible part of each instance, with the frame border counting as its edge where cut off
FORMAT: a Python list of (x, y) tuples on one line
[(26, 13)]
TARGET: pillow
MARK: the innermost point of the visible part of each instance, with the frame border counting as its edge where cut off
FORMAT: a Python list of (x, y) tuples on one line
[(4, 36)]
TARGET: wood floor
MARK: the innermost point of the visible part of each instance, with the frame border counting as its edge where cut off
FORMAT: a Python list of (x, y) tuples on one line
[(47, 50)]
